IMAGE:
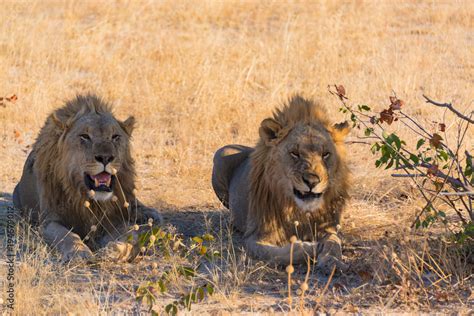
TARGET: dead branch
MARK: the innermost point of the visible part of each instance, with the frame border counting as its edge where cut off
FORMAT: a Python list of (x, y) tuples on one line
[(456, 193), (350, 142), (402, 175), (451, 108), (453, 181)]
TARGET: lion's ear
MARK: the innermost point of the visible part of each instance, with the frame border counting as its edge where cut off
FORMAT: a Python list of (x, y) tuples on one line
[(58, 122), (269, 129), (128, 125), (339, 131)]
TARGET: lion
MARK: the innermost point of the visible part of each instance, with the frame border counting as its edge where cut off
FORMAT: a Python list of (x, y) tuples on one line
[(295, 181), (78, 182)]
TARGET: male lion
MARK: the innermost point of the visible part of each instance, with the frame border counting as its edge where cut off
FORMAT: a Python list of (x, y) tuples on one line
[(78, 182), (294, 182)]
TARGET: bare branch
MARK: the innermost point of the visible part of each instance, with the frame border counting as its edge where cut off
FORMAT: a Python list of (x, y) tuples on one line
[(453, 181), (402, 175), (451, 108), (456, 193), (349, 142)]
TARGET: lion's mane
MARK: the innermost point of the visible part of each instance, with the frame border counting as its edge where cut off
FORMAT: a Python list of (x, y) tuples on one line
[(56, 189), (273, 215)]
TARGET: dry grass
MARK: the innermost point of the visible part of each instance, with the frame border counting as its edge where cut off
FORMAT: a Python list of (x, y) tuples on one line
[(204, 74)]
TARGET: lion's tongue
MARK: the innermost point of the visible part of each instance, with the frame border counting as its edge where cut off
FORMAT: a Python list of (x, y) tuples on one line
[(102, 178)]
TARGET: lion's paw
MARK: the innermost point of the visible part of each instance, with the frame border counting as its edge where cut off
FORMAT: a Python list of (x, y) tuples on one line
[(149, 213), (327, 262), (330, 255), (118, 251), (78, 252)]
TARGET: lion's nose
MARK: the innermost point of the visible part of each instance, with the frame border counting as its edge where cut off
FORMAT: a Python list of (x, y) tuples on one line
[(311, 180), (104, 159)]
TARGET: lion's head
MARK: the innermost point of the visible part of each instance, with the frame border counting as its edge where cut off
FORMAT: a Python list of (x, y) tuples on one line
[(298, 164), (83, 147)]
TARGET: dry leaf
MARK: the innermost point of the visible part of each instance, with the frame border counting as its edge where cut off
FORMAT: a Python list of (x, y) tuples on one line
[(435, 141), (387, 116), (365, 276), (12, 98), (341, 90), (442, 127), (396, 104), (433, 170), (441, 296), (16, 134)]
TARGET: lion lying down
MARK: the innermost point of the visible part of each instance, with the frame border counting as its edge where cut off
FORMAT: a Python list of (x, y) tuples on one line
[(78, 182), (294, 182)]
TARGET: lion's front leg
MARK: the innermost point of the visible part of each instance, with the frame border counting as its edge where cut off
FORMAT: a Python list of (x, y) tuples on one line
[(330, 253), (280, 254), (68, 243)]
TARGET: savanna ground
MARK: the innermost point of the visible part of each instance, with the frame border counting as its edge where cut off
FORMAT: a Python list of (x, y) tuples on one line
[(198, 75)]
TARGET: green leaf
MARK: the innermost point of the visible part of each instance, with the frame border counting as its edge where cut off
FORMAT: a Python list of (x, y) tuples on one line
[(375, 147), (417, 224), (414, 158), (378, 163), (187, 271), (390, 163), (187, 301), (444, 155), (420, 143), (368, 131), (208, 237), (364, 108), (210, 289), (162, 286), (171, 309), (200, 294)]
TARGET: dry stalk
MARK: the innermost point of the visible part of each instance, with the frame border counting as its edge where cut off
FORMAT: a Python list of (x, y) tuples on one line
[(304, 287), (290, 269)]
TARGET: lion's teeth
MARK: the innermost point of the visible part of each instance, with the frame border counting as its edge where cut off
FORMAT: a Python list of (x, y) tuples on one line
[(108, 182), (96, 182)]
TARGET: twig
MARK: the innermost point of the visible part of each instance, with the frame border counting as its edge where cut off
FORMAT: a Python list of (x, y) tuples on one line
[(451, 108), (349, 142), (456, 193), (318, 300), (401, 175), (453, 181)]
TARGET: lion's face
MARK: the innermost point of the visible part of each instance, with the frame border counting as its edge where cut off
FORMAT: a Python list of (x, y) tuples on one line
[(304, 161), (96, 148)]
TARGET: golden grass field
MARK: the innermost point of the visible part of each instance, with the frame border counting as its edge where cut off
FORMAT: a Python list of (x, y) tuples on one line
[(199, 75)]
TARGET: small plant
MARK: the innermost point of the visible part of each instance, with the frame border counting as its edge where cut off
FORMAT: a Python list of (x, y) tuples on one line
[(439, 164), (167, 243)]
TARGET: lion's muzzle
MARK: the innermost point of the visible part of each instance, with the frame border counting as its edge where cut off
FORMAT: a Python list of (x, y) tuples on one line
[(101, 182)]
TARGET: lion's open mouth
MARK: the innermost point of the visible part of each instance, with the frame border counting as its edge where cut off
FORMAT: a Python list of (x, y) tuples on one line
[(306, 196), (102, 182)]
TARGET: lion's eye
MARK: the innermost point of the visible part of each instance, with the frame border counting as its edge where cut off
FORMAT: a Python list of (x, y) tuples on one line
[(116, 138), (326, 155), (85, 137), (294, 154)]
